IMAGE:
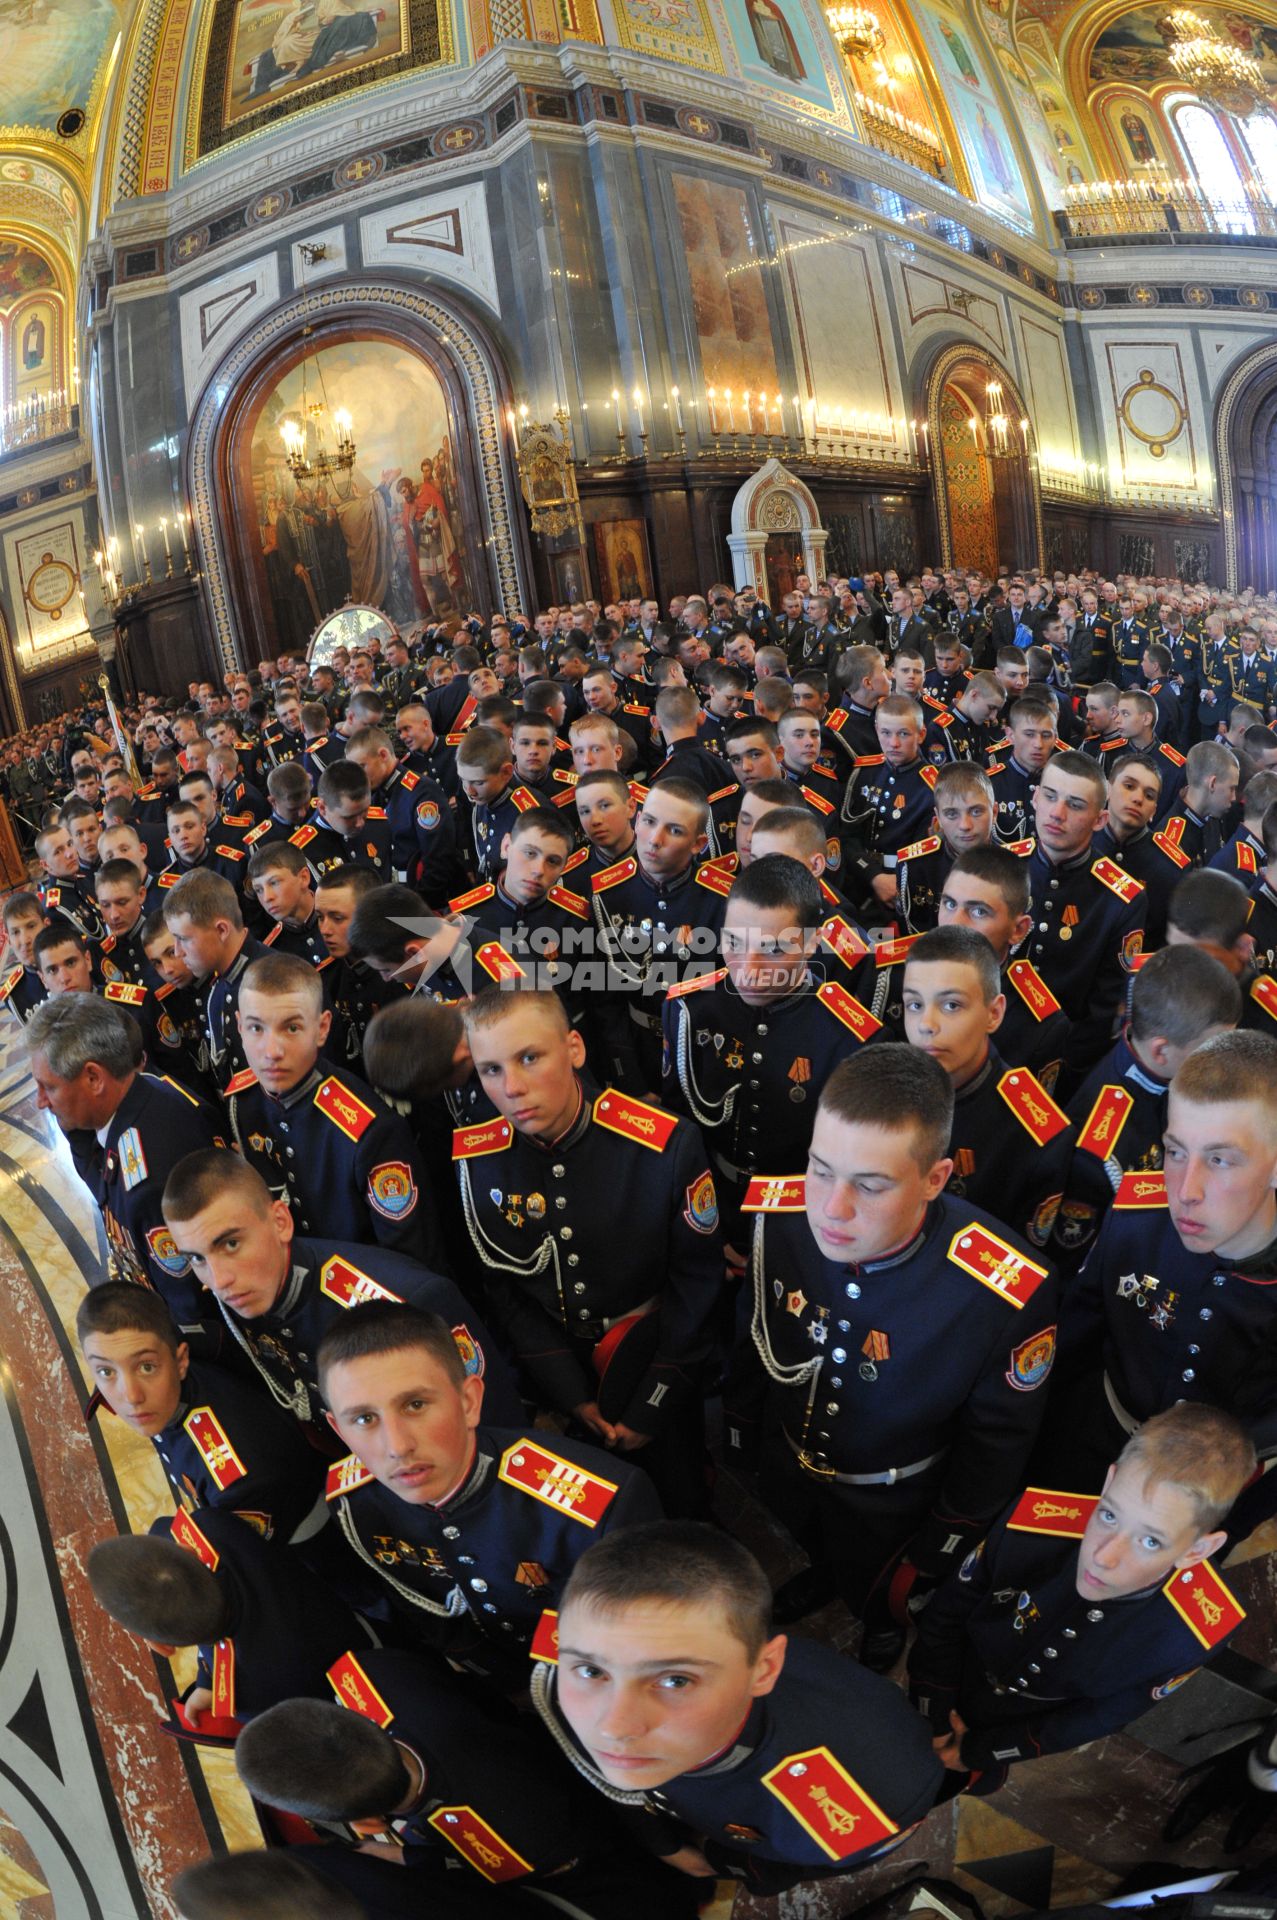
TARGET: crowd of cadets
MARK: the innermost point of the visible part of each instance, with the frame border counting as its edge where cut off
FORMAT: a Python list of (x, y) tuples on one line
[(489, 1057)]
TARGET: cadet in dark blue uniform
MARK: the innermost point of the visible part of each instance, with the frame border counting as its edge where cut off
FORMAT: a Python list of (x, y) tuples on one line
[(1080, 1610), (423, 826), (485, 768), (121, 898), (63, 894), (221, 1440), (204, 917), (527, 924), (749, 1047), (612, 1327), (345, 1163), (1088, 915), (21, 988), (472, 1527), (1211, 777), (1176, 1301), (267, 1629), (889, 1377), (965, 814), (278, 1295), (789, 1763), (83, 1055), (1243, 856), (345, 829)]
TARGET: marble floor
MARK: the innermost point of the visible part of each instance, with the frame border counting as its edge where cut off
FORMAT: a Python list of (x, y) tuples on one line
[(99, 1808)]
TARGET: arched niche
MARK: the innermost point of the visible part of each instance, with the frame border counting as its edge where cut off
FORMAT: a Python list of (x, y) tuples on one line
[(463, 389), (776, 533), (987, 511), (1246, 462)]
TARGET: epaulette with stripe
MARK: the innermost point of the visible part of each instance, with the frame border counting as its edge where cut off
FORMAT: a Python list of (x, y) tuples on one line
[(634, 1119)]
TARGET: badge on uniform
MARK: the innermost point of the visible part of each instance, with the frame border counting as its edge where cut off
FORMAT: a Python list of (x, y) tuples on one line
[(392, 1191), (469, 1349), (701, 1209), (799, 1073), (162, 1248), (428, 815), (876, 1347), (1032, 1360), (796, 1303), (530, 1573), (132, 1158)]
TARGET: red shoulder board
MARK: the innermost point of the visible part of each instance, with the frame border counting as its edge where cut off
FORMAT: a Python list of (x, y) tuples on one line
[(569, 901), (845, 1007), (497, 963), (343, 1108), (1114, 746), (124, 990), (1040, 1510), (1246, 861), (996, 1264), (410, 780), (582, 853), (251, 838), (479, 1845), (838, 720), (1032, 989), (920, 848), (1140, 1190), (1105, 1121), (162, 993), (724, 792), (491, 1137), (108, 945), (1264, 994), (841, 937), (187, 1534), (355, 1690), (1203, 1602), (564, 799), (831, 1807), (243, 1080), (376, 813), (634, 1119), (219, 1456), (889, 953), (714, 879), (9, 982), (52, 895), (929, 774), (230, 853), (1116, 879), (237, 819), (818, 800), (1172, 851), (524, 800), (632, 706), (870, 760), (349, 1287), (545, 1641), (1020, 848), (466, 711), (613, 876), (556, 1482), (1032, 1105), (944, 718), (1174, 828), (1173, 754), (167, 879), (346, 1476), (270, 938), (471, 899), (638, 792), (772, 1193), (681, 987), (302, 837)]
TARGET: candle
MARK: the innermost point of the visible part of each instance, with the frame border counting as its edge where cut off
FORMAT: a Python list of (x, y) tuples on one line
[(713, 422), (168, 551), (678, 409), (749, 411), (637, 398), (139, 548), (779, 405), (620, 423), (731, 411)]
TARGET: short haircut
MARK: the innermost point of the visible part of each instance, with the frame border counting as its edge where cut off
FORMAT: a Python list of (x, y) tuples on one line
[(1030, 707), (203, 898), (360, 880), (483, 750), (1011, 656), (410, 1047), (156, 1589), (895, 1087), (587, 723), (495, 710), (76, 1028), (900, 706), (1203, 1451), (961, 946), (207, 1175), (752, 725), (273, 856), (776, 794), (1210, 905), (1133, 758), (540, 695), (177, 809), (1260, 791), (677, 707), (379, 1327), (543, 820), (343, 780), (1143, 703), (674, 1563), (1159, 656), (377, 929), (984, 682), (602, 777), (963, 776), (802, 828), (998, 868), (269, 1885), (688, 794), (319, 1760), (121, 1307), (772, 697), (1209, 760), (77, 809), (275, 974), (289, 781), (1080, 766), (22, 906), (537, 722), (1178, 993), (493, 1005), (857, 665), (154, 928), (1232, 1066), (1259, 739), (1105, 692), (776, 881)]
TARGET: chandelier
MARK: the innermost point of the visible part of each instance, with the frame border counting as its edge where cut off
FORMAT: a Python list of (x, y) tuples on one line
[(999, 437), (856, 30), (305, 445), (1217, 71)]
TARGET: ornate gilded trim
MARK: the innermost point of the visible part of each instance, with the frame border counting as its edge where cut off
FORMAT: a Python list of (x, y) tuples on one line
[(1234, 388), (945, 364)]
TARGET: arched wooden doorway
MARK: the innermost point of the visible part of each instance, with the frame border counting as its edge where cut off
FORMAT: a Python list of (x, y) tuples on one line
[(1246, 462), (988, 510)]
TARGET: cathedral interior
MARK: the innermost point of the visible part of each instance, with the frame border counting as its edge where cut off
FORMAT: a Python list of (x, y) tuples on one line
[(609, 300)]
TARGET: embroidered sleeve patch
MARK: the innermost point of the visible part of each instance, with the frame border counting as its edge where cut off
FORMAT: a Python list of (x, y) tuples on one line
[(700, 1208), (1032, 1360)]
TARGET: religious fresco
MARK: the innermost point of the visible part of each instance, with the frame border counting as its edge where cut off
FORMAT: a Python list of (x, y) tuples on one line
[(777, 49), (1134, 47), (269, 58), (971, 99), (387, 534), (50, 51), (725, 286), (22, 271), (1033, 125), (678, 30)]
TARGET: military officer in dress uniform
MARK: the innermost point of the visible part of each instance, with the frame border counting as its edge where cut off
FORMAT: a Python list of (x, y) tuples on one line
[(203, 915), (278, 1295), (797, 1763), (83, 1056), (1176, 1299), (613, 1329), (1088, 914), (1129, 639), (891, 1377), (472, 1527), (1080, 1610), (221, 1441)]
